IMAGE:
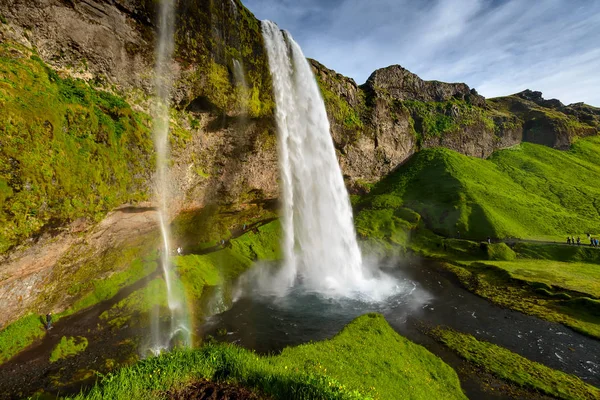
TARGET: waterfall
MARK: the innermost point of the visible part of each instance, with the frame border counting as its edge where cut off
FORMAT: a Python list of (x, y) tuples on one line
[(321, 252), (239, 74), (242, 87), (163, 84)]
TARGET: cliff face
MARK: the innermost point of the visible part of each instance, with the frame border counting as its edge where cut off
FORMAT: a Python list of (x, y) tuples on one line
[(75, 133), (379, 125)]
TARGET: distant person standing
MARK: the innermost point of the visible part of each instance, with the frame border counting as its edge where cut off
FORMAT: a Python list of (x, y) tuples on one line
[(578, 241), (489, 240), (568, 240), (48, 321)]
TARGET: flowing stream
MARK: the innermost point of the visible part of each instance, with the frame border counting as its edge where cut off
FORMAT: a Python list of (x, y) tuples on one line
[(163, 84), (320, 249)]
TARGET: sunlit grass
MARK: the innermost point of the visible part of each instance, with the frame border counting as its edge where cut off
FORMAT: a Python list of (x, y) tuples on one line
[(368, 359)]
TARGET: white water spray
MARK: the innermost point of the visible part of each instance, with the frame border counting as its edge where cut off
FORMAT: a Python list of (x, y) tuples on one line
[(163, 84), (321, 252)]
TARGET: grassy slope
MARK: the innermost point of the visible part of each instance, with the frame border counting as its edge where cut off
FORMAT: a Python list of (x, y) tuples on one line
[(514, 368), (52, 127), (382, 364), (196, 272), (579, 277), (529, 191)]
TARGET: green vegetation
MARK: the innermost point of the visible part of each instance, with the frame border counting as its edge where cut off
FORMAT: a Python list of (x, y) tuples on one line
[(500, 252), (529, 191), (534, 298), (195, 231), (104, 289), (366, 360), (213, 56), (137, 303), (52, 127), (434, 119), (19, 335), (339, 109), (68, 347), (574, 276), (196, 273), (514, 368), (575, 121)]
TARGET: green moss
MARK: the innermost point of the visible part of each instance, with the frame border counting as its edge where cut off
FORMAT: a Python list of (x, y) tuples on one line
[(104, 289), (339, 109), (368, 359), (19, 335), (68, 150), (514, 368), (137, 303), (68, 347), (262, 244), (501, 252), (196, 272), (435, 119)]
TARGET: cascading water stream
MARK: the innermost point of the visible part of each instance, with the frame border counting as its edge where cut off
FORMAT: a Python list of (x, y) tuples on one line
[(163, 84), (321, 252)]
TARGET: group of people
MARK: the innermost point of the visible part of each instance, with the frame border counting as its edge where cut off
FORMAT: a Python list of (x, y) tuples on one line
[(593, 241)]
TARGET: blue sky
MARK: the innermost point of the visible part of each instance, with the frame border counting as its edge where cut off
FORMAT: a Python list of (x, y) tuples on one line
[(499, 47)]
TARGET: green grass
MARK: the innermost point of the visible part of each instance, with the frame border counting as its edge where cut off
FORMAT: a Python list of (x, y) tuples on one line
[(366, 360), (558, 252), (529, 191), (68, 150), (575, 276), (68, 347), (500, 251), (19, 335), (104, 289), (136, 304), (515, 368)]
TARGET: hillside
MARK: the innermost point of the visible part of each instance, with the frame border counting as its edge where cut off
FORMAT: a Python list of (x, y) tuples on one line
[(527, 191), (382, 123)]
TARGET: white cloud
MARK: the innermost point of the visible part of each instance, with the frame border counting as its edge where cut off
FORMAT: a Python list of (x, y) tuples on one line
[(497, 46)]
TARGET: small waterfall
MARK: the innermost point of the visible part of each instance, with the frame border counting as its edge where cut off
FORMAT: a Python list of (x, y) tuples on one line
[(239, 74), (319, 242), (242, 86), (163, 83)]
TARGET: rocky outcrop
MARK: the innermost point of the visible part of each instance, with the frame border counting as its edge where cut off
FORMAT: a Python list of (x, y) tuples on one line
[(549, 122), (401, 84), (396, 113)]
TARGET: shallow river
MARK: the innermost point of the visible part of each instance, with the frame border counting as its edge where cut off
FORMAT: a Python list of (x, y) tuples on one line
[(268, 324)]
